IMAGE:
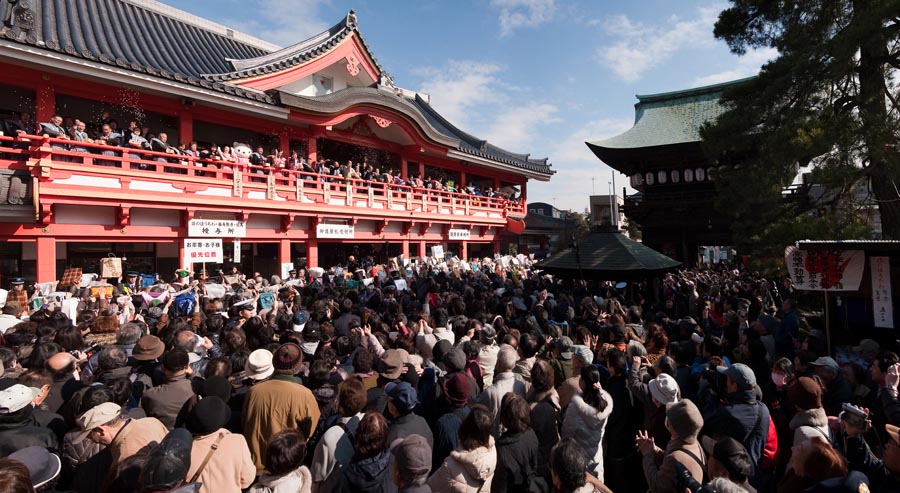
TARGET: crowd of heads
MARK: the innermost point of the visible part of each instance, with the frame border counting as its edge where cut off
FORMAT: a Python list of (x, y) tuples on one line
[(438, 375)]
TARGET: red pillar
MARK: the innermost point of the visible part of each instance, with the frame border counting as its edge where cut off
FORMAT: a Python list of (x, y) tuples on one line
[(46, 259), (312, 253), (45, 104), (405, 249), (404, 168), (464, 251), (496, 244), (496, 183), (285, 144), (422, 251), (183, 261), (312, 153), (524, 194), (284, 251), (422, 169), (185, 126), (462, 180)]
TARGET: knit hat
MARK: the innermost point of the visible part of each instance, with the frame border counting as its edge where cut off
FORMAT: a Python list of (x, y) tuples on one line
[(684, 417), (287, 359), (457, 389), (805, 393), (664, 389), (216, 386), (259, 365), (210, 414), (169, 463)]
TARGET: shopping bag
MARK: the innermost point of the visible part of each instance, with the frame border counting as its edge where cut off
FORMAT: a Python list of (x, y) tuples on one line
[(110, 266)]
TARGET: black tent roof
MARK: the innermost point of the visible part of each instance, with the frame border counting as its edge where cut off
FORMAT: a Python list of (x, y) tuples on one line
[(610, 255)]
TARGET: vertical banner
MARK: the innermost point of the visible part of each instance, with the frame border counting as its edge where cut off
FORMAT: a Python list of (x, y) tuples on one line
[(237, 250), (882, 301)]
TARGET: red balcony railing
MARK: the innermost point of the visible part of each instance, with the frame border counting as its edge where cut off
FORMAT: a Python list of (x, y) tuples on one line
[(243, 179)]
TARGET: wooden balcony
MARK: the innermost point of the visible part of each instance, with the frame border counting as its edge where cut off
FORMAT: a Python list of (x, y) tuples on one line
[(66, 172)]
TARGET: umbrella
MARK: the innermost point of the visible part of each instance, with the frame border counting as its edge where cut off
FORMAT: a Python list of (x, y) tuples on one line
[(609, 255)]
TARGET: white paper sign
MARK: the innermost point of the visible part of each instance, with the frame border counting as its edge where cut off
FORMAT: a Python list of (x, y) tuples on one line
[(459, 234), (401, 284), (437, 251), (882, 301), (207, 250), (217, 228), (825, 270), (237, 250), (335, 231)]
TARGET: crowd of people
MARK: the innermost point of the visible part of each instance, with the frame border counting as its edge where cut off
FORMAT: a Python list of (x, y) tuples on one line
[(134, 139), (438, 376)]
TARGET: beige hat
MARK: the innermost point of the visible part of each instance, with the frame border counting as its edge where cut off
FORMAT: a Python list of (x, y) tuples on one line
[(259, 365), (96, 416)]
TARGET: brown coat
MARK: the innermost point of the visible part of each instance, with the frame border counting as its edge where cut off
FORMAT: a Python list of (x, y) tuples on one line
[(278, 404), (135, 435), (165, 401), (659, 467), (230, 467)]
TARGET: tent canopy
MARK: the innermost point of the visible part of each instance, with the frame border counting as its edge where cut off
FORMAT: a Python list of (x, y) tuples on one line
[(607, 254)]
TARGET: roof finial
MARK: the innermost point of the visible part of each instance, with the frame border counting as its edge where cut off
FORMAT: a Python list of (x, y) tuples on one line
[(351, 19)]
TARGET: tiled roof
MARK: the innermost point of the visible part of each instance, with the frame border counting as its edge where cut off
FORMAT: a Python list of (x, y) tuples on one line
[(608, 254), (132, 36), (669, 118), (294, 55), (474, 146)]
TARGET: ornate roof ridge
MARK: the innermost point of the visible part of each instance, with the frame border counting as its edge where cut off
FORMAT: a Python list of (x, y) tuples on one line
[(691, 92)]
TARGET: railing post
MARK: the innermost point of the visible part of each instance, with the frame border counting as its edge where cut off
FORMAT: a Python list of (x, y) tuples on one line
[(298, 183), (349, 193)]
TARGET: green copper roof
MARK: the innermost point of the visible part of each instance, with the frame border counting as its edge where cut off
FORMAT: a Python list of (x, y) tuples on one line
[(668, 118)]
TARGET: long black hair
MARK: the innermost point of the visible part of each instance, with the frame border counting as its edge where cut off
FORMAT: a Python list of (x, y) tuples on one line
[(592, 393)]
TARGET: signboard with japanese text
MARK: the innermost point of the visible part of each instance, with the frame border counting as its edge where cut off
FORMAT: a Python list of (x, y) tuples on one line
[(237, 251), (882, 301), (197, 250), (459, 235), (825, 270), (217, 228), (437, 251), (335, 231)]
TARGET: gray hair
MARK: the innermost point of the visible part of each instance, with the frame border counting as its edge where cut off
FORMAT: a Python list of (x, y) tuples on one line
[(129, 334), (507, 358), (725, 485)]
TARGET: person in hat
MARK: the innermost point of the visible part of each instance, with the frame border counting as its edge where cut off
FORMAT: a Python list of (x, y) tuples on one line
[(743, 417), (582, 356), (168, 465), (105, 424), (43, 466), (284, 463), (727, 458), (810, 420), (220, 460), (17, 293), (457, 391), (132, 284), (469, 467), (401, 402), (412, 463), (838, 389), (279, 403), (10, 315), (390, 368), (684, 423), (164, 401), (259, 366), (487, 355), (884, 473), (18, 427), (563, 366)]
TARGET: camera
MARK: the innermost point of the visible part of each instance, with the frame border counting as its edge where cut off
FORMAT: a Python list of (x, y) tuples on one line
[(854, 416), (686, 481)]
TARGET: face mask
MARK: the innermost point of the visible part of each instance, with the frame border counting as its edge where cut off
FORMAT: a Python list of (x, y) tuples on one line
[(778, 379)]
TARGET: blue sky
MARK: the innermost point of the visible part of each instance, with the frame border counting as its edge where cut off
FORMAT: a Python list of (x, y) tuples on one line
[(532, 76)]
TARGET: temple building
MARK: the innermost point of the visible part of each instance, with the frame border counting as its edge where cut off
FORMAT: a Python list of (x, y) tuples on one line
[(662, 155), (183, 79)]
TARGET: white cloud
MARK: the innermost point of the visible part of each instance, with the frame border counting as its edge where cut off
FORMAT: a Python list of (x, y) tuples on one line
[(745, 66), (283, 22), (572, 150), (638, 47), (516, 128), (459, 88), (523, 13)]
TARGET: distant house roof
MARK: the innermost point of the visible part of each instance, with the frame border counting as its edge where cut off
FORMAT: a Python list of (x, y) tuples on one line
[(296, 54), (133, 36), (667, 119)]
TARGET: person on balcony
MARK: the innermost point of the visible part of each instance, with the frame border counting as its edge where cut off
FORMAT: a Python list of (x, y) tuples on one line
[(54, 130), (111, 139), (23, 126), (137, 142), (80, 135)]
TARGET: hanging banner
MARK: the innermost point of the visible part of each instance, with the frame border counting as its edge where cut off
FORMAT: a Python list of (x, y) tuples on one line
[(237, 250), (216, 228), (825, 270), (203, 250), (882, 301), (335, 231), (459, 234)]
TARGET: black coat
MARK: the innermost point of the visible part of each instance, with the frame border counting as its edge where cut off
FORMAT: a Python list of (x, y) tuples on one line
[(20, 430), (738, 419), (517, 461), (860, 458)]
